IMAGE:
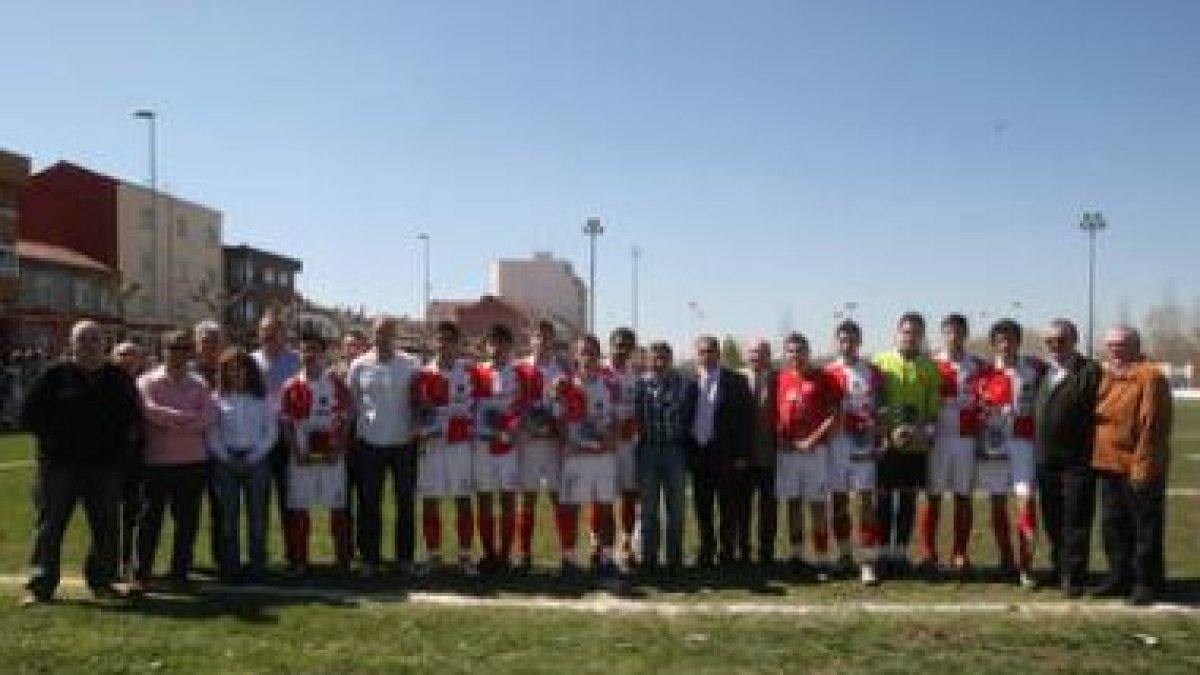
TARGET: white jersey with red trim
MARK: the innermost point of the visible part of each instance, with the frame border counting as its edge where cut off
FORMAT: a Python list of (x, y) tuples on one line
[(625, 380), (446, 396), (591, 411), (960, 415)]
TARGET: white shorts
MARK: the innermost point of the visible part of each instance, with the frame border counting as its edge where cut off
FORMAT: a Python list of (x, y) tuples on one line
[(952, 465), (445, 470), (627, 478), (1014, 475), (589, 479), (540, 460), (317, 485), (846, 474), (495, 472), (802, 474)]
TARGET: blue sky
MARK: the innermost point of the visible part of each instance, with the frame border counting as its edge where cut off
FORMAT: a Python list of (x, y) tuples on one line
[(771, 159)]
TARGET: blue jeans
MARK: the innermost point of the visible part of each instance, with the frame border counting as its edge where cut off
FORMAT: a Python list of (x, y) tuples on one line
[(232, 484), (661, 471)]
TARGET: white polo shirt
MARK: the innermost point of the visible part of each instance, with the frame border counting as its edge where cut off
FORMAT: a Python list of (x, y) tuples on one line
[(380, 392)]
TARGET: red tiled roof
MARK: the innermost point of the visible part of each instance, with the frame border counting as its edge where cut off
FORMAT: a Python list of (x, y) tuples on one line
[(49, 253)]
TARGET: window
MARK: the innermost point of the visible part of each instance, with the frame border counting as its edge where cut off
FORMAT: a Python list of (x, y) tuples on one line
[(268, 276), (83, 297), (285, 279), (181, 228), (9, 263)]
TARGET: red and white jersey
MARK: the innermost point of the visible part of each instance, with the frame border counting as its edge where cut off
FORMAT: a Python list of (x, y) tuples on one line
[(962, 412), (860, 388), (543, 380), (318, 410), (447, 395), (626, 380), (590, 403), (1008, 393), (501, 393), (805, 401)]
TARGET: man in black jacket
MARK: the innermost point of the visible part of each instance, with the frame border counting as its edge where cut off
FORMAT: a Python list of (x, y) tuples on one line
[(722, 433), (84, 413), (1065, 421)]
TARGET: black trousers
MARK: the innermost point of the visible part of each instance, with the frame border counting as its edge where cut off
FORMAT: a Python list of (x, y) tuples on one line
[(714, 495), (133, 483), (755, 491), (215, 518), (1068, 498), (181, 489), (277, 461), (371, 466), (1132, 521), (57, 488)]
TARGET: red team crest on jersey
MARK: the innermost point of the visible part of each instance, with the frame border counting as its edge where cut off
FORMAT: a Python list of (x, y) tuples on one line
[(859, 388), (322, 406), (960, 387), (1008, 394), (805, 401), (442, 400), (589, 408), (501, 396)]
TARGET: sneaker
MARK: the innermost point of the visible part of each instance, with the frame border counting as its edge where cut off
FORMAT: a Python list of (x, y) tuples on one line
[(424, 568), (961, 568), (33, 600), (105, 592), (802, 569), (927, 569), (569, 569), (524, 565), (866, 574), (1111, 587), (467, 567), (296, 570), (369, 570), (1027, 581), (1142, 596), (845, 565), (136, 588)]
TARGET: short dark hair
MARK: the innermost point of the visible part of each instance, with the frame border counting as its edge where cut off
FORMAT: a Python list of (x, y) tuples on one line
[(914, 318), (956, 320), (797, 339), (545, 326), (312, 337), (622, 334), (1005, 327), (450, 328), (356, 334), (240, 358), (591, 340), (849, 326), (660, 347), (499, 333)]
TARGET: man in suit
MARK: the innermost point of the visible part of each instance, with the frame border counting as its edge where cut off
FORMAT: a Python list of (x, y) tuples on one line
[(1065, 416), (761, 377), (722, 434)]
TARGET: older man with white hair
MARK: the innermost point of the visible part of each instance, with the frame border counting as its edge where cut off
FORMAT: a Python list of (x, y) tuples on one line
[(1133, 426), (83, 412)]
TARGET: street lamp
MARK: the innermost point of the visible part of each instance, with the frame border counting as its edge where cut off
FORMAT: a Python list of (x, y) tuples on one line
[(1092, 222), (151, 119), (593, 229), (637, 254), (426, 285)]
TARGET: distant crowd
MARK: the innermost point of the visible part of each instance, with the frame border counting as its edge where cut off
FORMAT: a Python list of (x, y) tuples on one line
[(859, 454)]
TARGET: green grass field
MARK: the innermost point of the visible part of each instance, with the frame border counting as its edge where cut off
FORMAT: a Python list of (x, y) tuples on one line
[(235, 634)]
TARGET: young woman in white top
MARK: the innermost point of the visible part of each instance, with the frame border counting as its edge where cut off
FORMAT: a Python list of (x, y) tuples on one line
[(246, 430)]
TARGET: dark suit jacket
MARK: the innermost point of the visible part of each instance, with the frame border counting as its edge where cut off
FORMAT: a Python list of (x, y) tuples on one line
[(1065, 415), (733, 424), (764, 443)]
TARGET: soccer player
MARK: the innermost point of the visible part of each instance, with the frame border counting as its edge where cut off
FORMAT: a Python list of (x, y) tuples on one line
[(912, 391), (952, 460), (590, 401), (622, 343), (539, 453), (316, 405), (442, 397), (499, 397), (854, 450), (808, 409), (1008, 393)]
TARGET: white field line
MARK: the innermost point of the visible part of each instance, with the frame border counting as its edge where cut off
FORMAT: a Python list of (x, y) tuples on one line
[(16, 464), (602, 604)]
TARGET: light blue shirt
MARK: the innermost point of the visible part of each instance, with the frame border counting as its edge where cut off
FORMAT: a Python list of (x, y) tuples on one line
[(706, 405)]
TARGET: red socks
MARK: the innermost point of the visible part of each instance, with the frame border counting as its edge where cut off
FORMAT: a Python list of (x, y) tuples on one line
[(466, 532), (928, 523), (1027, 535), (487, 532), (508, 529), (431, 524), (564, 521), (295, 536), (628, 515)]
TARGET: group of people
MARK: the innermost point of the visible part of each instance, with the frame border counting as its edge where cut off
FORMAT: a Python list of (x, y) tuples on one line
[(614, 437)]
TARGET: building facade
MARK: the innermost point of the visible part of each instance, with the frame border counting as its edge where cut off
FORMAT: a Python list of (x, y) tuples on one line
[(59, 287), (256, 281), (14, 174), (166, 251), (475, 317), (546, 288)]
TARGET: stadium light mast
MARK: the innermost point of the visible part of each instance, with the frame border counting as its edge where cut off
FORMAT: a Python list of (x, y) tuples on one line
[(1092, 222), (151, 118), (593, 228), (636, 254)]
